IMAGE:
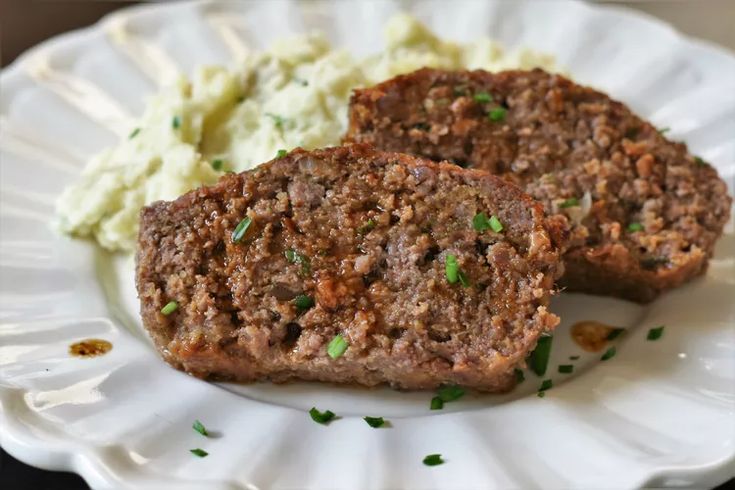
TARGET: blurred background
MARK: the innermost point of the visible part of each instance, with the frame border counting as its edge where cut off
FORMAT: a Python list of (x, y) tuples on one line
[(25, 23)]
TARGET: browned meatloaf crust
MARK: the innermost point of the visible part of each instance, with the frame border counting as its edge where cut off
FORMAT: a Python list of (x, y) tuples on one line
[(643, 214), (366, 235)]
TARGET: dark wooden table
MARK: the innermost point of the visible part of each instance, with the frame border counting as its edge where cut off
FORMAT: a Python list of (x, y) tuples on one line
[(24, 23)]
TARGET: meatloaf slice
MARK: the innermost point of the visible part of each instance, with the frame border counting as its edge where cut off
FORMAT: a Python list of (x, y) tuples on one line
[(353, 243), (642, 213)]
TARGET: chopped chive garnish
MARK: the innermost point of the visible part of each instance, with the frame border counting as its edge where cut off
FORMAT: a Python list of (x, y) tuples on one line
[(495, 224), (450, 393), (566, 368), (655, 333), (217, 164), (278, 121), (337, 347), (300, 81), (281, 153), (374, 422), (199, 452), (481, 222), (199, 427), (615, 333), (545, 385), (240, 99), (483, 97), (176, 122), (365, 229), (609, 354), (134, 133), (463, 279), (541, 394), (520, 377), (437, 403), (296, 258), (497, 114), (433, 460), (240, 229), (170, 307), (633, 227), (699, 161), (540, 356), (451, 268), (573, 358), (303, 302), (572, 201), (321, 417), (664, 130)]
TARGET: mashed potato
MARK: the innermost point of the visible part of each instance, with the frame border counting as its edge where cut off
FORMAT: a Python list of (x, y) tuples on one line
[(295, 94)]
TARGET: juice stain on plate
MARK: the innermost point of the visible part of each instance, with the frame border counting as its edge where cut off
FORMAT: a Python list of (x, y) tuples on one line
[(590, 335), (90, 348)]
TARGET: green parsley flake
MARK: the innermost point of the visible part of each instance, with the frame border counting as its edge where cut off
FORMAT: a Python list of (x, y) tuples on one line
[(296, 258), (321, 417), (655, 333), (199, 452), (520, 376), (281, 153), (539, 361), (571, 202), (609, 354), (337, 347), (483, 97), (450, 393), (199, 427), (497, 114), (176, 122), (134, 133), (546, 385), (451, 268), (240, 229), (495, 224), (699, 162), (303, 302), (374, 422), (481, 222), (433, 460), (541, 394), (566, 368), (217, 164), (170, 307), (437, 403), (633, 227), (278, 121), (615, 333), (367, 227), (573, 358)]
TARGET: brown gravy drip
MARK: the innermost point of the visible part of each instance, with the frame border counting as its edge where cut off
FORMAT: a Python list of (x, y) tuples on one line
[(90, 348), (590, 335)]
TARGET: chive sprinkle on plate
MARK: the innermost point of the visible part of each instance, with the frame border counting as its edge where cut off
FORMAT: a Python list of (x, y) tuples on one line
[(321, 417), (540, 355), (451, 268), (217, 163), (199, 427), (482, 97), (433, 460), (655, 333), (633, 227), (241, 229), (615, 333), (546, 385), (497, 114), (199, 452), (337, 347), (520, 377), (609, 354), (303, 302), (566, 368), (176, 122), (134, 133), (437, 403), (281, 153), (374, 422), (170, 307), (450, 393)]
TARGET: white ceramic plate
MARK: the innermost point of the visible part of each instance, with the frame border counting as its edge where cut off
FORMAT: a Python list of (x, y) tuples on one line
[(658, 414)]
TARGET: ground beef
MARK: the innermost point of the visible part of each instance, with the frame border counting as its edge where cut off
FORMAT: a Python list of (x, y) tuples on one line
[(366, 235), (642, 214)]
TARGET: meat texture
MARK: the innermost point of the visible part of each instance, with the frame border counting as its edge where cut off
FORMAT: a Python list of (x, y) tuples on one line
[(641, 214), (354, 243)]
